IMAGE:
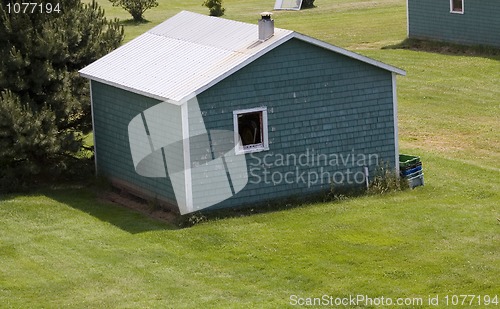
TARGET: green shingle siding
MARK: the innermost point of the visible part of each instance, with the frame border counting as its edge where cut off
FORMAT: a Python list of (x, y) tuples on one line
[(317, 100), (479, 25), (113, 109)]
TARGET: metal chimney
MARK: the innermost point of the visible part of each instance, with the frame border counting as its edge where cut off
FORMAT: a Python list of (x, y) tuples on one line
[(266, 26)]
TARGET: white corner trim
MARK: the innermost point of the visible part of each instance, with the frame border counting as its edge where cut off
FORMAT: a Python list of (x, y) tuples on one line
[(188, 183), (407, 18), (395, 116)]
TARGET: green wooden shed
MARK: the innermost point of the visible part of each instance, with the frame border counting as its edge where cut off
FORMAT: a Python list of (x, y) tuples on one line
[(204, 112), (468, 22)]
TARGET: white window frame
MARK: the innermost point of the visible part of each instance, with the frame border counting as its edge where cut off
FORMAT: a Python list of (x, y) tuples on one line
[(457, 12), (239, 148)]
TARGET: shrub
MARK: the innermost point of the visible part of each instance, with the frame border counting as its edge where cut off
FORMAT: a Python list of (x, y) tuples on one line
[(215, 7), (136, 8), (387, 180)]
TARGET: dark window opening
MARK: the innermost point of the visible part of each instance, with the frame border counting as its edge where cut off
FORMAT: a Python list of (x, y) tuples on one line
[(457, 6), (250, 128)]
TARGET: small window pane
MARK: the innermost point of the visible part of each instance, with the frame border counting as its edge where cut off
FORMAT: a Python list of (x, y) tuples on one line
[(457, 5), (250, 128)]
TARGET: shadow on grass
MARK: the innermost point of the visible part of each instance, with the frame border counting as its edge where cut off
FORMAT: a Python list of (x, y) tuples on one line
[(447, 48), (133, 22), (85, 198), (307, 7), (78, 188)]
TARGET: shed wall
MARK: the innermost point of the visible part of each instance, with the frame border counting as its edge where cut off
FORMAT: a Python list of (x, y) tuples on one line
[(113, 110), (479, 25), (317, 101)]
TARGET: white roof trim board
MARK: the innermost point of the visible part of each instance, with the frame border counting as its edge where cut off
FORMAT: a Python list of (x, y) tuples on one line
[(189, 53)]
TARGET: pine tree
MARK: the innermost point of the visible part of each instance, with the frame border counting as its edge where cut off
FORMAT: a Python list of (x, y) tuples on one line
[(44, 103)]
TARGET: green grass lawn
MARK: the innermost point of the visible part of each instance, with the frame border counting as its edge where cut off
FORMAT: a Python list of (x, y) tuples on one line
[(62, 247)]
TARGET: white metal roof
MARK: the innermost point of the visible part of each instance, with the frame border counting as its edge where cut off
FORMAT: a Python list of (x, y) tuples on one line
[(189, 53)]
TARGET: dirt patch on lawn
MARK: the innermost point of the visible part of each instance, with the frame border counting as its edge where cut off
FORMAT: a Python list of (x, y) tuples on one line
[(137, 204)]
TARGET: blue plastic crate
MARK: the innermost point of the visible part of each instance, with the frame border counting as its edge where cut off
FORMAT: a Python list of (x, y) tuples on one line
[(412, 170), (415, 179)]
